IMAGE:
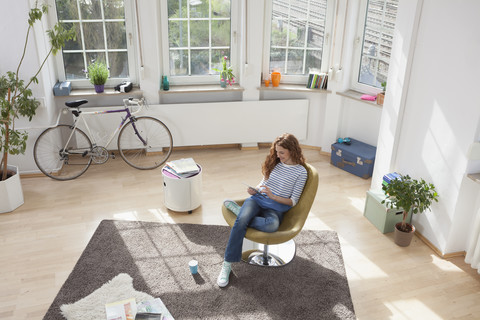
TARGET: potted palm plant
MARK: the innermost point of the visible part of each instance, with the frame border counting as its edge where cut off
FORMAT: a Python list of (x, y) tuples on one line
[(98, 74), (16, 100), (412, 196)]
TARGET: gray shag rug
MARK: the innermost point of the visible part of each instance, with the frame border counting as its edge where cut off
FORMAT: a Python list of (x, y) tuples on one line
[(156, 256)]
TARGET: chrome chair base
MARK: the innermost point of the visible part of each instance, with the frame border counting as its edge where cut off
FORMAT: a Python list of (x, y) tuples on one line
[(275, 255)]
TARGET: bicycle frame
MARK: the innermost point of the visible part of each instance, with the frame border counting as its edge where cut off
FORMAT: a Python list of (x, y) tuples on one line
[(129, 115)]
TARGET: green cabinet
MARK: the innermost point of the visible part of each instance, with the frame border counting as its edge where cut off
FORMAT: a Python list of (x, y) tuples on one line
[(379, 215)]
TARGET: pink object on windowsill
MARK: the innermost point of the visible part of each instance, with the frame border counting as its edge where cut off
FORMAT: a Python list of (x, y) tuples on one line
[(368, 97)]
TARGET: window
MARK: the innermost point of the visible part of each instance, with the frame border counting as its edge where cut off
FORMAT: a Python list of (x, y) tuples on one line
[(199, 36), (298, 38), (103, 34), (373, 52)]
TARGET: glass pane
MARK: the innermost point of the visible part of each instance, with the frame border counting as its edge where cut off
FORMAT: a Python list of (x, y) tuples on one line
[(367, 72), (220, 33), (93, 33), (177, 8), (95, 56), (90, 9), (199, 62), (66, 10), (178, 62), (313, 60), (299, 13), (217, 59), (116, 35), (302, 22), (113, 9), (199, 34), (118, 64), (279, 32), (315, 35), (377, 41), (178, 34), (73, 44), (199, 8), (277, 60), (295, 61), (296, 34), (220, 8), (74, 66)]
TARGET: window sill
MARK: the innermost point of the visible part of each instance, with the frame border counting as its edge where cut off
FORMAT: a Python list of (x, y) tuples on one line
[(107, 92), (293, 87), (357, 96), (208, 88)]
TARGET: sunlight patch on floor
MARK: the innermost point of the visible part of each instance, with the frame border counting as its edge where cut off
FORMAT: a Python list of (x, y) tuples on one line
[(161, 216), (410, 309), (358, 203), (369, 269), (444, 264), (127, 215)]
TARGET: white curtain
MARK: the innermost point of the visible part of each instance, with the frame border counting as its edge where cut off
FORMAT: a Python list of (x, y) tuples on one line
[(473, 249)]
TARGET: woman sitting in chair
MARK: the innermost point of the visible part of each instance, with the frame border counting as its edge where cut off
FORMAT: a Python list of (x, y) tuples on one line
[(281, 187)]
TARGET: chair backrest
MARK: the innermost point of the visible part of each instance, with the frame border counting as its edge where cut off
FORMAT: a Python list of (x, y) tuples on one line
[(295, 218)]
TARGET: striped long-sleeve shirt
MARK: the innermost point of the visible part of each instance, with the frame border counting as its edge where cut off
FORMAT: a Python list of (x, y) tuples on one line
[(287, 181)]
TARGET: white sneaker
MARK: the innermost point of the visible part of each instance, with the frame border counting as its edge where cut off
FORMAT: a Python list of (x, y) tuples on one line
[(232, 206), (222, 279)]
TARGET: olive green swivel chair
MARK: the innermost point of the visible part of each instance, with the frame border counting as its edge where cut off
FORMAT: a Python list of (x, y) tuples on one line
[(278, 248)]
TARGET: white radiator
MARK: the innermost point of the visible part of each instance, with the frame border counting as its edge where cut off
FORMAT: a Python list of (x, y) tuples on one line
[(244, 122)]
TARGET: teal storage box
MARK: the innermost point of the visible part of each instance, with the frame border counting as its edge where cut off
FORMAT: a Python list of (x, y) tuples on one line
[(62, 88), (383, 218)]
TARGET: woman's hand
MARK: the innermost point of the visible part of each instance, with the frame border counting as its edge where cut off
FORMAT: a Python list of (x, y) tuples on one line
[(251, 191), (267, 191)]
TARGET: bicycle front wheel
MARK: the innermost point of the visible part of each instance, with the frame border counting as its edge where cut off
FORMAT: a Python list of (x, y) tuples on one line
[(145, 143), (63, 153)]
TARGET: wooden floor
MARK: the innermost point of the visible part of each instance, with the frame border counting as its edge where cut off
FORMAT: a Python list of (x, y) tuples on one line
[(41, 241)]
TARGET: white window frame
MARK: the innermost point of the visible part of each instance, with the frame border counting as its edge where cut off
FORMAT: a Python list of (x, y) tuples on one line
[(357, 53), (131, 35), (298, 79), (233, 60)]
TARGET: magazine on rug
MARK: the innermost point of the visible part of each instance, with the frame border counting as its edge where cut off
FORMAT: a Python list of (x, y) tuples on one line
[(121, 310)]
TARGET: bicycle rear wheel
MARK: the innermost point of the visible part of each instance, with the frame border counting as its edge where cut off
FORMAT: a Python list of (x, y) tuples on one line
[(145, 143), (59, 160)]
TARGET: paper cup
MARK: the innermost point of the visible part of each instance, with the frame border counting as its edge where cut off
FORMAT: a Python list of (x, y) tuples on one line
[(193, 264)]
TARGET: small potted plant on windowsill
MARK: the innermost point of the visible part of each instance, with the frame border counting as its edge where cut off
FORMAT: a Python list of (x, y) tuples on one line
[(226, 74), (412, 196), (97, 72), (381, 95)]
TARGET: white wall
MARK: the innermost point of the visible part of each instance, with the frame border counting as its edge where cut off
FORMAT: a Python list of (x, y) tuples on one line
[(429, 119)]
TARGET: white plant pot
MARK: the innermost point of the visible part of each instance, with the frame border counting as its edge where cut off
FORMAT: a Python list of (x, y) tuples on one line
[(11, 193)]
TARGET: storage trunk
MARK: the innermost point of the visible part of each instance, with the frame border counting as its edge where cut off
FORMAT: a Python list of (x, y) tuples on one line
[(357, 158)]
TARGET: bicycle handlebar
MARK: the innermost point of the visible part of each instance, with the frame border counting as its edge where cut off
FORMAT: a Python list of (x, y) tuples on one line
[(134, 102)]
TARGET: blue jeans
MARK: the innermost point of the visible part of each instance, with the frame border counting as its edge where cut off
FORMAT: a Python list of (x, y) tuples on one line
[(255, 213)]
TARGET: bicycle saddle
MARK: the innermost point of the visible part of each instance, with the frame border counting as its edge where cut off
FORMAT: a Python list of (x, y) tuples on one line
[(75, 103)]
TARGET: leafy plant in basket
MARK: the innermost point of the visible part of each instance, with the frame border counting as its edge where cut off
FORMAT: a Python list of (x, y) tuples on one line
[(412, 195), (15, 94)]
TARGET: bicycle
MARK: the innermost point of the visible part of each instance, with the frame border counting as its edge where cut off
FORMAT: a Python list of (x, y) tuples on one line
[(65, 152)]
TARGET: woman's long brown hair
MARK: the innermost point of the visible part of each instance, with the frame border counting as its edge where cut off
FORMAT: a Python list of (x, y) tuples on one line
[(289, 142)]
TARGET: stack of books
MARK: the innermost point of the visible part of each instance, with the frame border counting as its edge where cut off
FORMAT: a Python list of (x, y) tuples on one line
[(389, 177), (317, 80), (182, 168)]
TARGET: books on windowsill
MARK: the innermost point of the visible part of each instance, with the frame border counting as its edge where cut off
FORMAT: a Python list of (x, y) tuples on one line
[(317, 80)]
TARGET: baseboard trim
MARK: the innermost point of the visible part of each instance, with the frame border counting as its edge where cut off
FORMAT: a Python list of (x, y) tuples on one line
[(437, 251)]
